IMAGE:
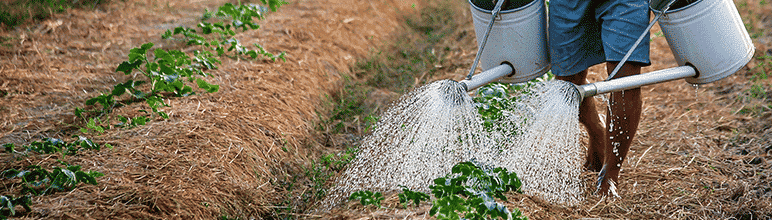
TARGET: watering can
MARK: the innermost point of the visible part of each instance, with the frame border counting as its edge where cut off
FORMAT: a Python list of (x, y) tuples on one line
[(707, 37)]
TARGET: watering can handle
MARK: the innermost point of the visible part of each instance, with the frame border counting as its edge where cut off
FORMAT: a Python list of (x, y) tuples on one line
[(640, 38), (494, 13)]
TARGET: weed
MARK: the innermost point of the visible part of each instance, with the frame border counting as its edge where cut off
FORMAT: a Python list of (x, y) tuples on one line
[(13, 13), (338, 162), (309, 186), (656, 35), (757, 94), (752, 18), (415, 53), (349, 104), (757, 91), (5, 42)]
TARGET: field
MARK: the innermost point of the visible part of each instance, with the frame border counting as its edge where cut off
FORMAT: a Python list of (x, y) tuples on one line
[(268, 142)]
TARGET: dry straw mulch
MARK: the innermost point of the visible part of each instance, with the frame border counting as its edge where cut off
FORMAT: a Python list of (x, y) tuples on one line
[(220, 154)]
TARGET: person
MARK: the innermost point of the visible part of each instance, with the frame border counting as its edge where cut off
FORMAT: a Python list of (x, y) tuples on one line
[(583, 33)]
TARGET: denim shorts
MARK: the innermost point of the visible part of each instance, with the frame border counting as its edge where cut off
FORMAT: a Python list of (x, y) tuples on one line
[(583, 33)]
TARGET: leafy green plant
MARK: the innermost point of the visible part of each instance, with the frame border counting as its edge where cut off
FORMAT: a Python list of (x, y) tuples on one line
[(338, 162), (494, 100), (408, 195), (240, 17), (166, 72), (469, 192), (53, 145), (131, 122), (8, 205), (39, 181), (169, 73), (367, 197)]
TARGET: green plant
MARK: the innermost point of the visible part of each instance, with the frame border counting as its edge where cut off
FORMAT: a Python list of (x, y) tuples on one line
[(494, 100), (367, 197), (408, 195), (469, 192), (39, 181), (131, 122), (8, 205), (13, 13), (338, 162), (168, 73), (53, 145), (240, 17), (656, 35), (305, 188), (758, 94), (165, 71), (5, 42)]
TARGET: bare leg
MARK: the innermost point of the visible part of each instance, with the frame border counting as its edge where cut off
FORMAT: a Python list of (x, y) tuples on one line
[(622, 123), (588, 116)]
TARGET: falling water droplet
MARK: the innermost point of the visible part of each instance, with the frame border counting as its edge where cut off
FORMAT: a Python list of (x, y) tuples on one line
[(437, 126)]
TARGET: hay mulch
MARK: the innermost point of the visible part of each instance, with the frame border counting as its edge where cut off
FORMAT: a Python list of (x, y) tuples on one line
[(219, 154)]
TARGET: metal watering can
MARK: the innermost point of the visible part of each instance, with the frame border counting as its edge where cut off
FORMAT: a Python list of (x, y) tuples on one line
[(707, 37)]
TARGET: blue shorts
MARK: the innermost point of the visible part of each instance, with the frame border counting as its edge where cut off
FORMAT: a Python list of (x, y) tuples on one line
[(583, 33)]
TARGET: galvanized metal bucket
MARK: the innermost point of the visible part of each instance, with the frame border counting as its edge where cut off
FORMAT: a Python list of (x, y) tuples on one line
[(518, 37), (706, 34)]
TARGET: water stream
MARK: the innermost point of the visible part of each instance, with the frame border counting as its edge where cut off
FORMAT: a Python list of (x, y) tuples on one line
[(437, 126)]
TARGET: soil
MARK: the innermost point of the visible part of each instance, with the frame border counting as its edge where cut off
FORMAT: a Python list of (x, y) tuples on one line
[(229, 153)]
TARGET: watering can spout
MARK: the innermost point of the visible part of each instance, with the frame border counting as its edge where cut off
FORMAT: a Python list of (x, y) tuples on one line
[(487, 77), (592, 89), (635, 81)]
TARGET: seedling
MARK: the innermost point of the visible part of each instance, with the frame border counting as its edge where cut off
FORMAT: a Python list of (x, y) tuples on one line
[(367, 197), (8, 205), (408, 195), (469, 192), (495, 100), (53, 145), (39, 181), (168, 73)]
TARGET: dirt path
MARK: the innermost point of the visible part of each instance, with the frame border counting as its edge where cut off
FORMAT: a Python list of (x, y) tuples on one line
[(231, 153)]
